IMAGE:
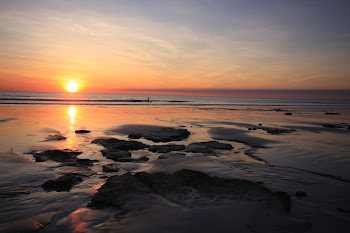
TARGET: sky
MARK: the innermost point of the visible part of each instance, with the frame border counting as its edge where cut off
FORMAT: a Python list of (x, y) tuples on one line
[(203, 46)]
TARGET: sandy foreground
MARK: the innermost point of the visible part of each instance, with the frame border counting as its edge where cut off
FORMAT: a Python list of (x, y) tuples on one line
[(174, 169)]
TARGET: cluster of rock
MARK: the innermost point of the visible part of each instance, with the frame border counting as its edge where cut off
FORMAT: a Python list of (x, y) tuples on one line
[(67, 157), (119, 150)]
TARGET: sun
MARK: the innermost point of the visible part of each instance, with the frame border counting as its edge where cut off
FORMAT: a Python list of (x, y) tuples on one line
[(72, 87)]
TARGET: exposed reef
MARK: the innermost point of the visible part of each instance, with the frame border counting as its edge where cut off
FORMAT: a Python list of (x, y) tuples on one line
[(187, 188), (207, 147), (63, 183), (152, 132)]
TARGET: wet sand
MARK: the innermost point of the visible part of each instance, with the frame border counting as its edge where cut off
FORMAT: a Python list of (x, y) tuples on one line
[(305, 152)]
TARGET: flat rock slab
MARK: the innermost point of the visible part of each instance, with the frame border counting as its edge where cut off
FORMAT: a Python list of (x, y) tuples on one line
[(238, 135), (116, 144), (63, 183), (185, 187), (207, 147), (82, 131), (166, 148), (112, 167), (65, 155), (117, 155), (152, 132)]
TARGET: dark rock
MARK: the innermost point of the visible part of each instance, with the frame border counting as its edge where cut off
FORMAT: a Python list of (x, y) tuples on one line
[(300, 194), (117, 155), (250, 129), (141, 159), (82, 131), (166, 148), (135, 136), (57, 155), (277, 131), (330, 126), (332, 113), (260, 124), (113, 167), (207, 147), (286, 200), (81, 163), (343, 210), (348, 127), (116, 144), (279, 110), (153, 132), (254, 129), (63, 183), (288, 113), (168, 155), (186, 187)]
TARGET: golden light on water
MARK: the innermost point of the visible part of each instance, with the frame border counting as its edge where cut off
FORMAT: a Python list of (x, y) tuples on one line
[(71, 113), (72, 87), (71, 138)]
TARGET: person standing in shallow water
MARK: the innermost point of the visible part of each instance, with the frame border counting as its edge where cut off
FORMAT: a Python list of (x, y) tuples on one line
[(147, 99)]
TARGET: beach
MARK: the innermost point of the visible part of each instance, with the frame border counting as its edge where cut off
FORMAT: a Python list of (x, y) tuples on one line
[(176, 167)]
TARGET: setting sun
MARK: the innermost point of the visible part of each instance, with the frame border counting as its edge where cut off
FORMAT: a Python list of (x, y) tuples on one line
[(72, 87)]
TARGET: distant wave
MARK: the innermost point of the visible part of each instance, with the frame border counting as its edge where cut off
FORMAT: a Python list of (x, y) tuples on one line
[(86, 100)]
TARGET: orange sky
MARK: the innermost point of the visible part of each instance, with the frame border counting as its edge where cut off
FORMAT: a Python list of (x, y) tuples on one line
[(111, 47)]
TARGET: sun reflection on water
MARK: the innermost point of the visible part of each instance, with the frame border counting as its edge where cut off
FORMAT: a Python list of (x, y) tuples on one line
[(71, 134), (71, 112)]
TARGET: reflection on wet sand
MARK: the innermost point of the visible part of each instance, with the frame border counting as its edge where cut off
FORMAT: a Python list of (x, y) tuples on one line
[(71, 137)]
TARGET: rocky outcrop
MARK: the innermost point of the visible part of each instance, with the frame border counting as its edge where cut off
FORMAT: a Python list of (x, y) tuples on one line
[(116, 144), (65, 155), (118, 150), (166, 148), (112, 167), (154, 133), (81, 131), (63, 183), (186, 188), (207, 147), (117, 155)]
